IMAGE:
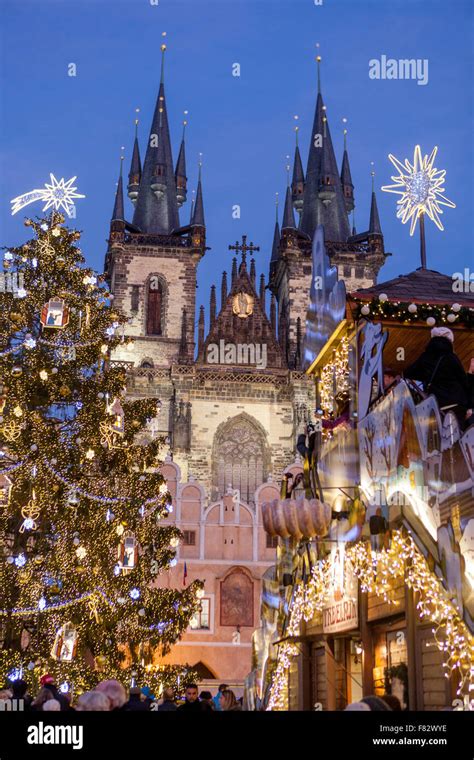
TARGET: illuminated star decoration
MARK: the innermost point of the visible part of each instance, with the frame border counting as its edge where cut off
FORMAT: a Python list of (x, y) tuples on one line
[(421, 187), (58, 194)]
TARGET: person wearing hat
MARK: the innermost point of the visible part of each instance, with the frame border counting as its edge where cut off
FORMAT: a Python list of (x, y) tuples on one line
[(442, 374), (48, 685)]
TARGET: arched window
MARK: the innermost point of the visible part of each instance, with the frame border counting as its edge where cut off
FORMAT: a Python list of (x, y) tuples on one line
[(240, 457), (155, 303)]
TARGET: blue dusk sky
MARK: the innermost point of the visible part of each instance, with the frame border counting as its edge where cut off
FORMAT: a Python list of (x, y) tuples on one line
[(52, 122)]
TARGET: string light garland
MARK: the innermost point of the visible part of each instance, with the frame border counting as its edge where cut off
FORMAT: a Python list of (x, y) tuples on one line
[(334, 380), (58, 390), (376, 572), (400, 311)]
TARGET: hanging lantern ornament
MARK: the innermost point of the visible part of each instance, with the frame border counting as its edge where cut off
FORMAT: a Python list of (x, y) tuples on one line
[(451, 317), (431, 321), (456, 307), (128, 552), (383, 297), (365, 310), (55, 314), (412, 308)]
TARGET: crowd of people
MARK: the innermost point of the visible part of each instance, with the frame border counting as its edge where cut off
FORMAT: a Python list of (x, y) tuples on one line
[(110, 695)]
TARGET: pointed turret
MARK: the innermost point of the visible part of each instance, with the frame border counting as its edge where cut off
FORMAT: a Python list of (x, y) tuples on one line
[(297, 182), (135, 173), (276, 240), (156, 211), (288, 213), (118, 212), (223, 288), (346, 179), (201, 325), (180, 172), (253, 273), (323, 196), (262, 291), (212, 306), (198, 215), (234, 272), (374, 223)]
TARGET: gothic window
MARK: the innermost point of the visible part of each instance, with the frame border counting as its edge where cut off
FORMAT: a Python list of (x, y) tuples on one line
[(154, 317), (135, 297), (359, 272), (347, 271), (240, 458)]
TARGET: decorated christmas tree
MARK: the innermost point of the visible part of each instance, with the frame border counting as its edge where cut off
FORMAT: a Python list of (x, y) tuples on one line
[(81, 495)]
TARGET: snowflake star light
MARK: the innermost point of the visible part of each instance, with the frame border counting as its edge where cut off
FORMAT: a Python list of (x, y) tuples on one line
[(58, 194), (421, 187)]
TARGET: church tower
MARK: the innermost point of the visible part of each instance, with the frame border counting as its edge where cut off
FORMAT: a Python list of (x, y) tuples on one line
[(324, 196), (151, 262)]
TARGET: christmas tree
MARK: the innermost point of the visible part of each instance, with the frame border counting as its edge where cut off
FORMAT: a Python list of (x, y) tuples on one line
[(81, 494)]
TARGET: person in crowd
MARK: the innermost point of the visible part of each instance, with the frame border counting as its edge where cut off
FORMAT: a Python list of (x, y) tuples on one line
[(135, 702), (229, 702), (376, 704), (442, 374), (217, 698), (115, 692), (51, 705), (191, 701), (147, 697), (378, 528), (207, 700), (47, 681), (93, 701), (19, 689), (43, 696), (393, 702), (5, 695), (168, 704), (357, 707)]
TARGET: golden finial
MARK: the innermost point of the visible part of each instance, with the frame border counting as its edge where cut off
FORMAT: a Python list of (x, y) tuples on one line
[(344, 132), (318, 60)]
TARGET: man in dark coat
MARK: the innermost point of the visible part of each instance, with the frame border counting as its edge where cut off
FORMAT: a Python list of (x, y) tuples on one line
[(442, 374), (192, 703), (168, 704)]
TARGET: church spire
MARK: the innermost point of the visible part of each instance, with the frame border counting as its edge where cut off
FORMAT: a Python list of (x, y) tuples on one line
[(288, 214), (198, 215), (135, 172), (346, 178), (212, 307), (276, 240), (118, 212), (156, 211), (323, 196), (180, 171), (223, 289), (374, 223), (297, 182)]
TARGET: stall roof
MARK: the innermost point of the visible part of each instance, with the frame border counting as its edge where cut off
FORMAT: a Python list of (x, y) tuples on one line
[(419, 286)]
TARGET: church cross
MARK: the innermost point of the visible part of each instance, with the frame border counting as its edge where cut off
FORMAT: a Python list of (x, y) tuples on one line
[(243, 248)]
